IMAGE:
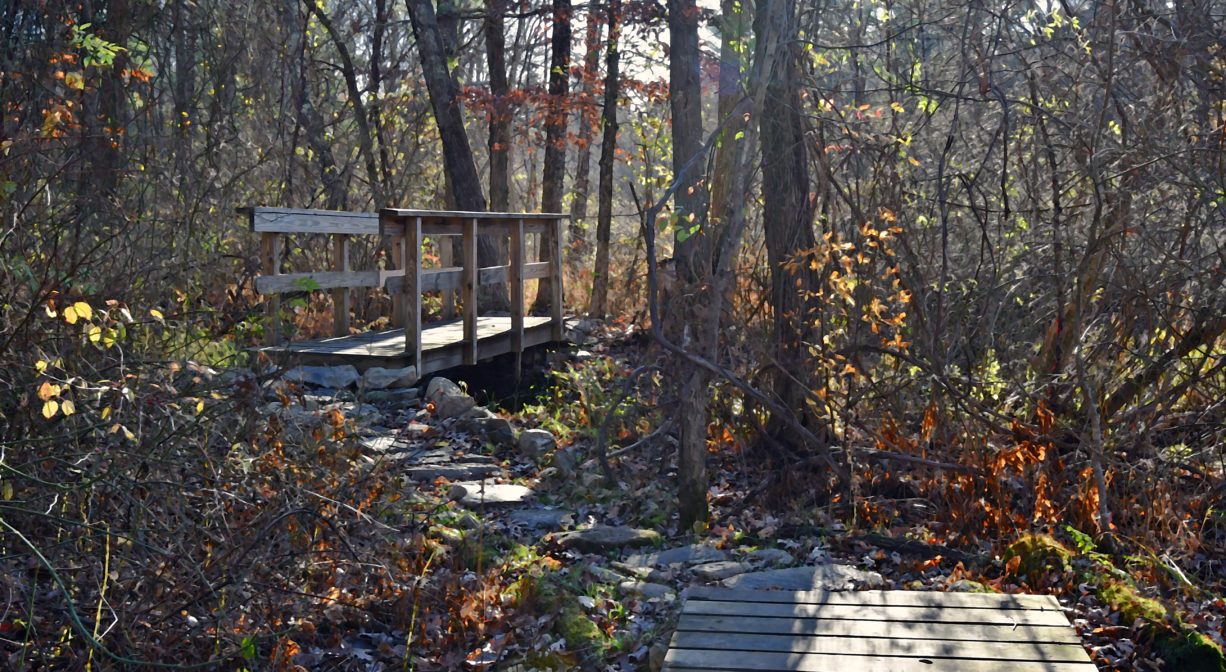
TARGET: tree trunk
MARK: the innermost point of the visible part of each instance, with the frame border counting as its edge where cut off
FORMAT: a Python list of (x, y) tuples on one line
[(577, 245), (599, 306), (500, 121), (554, 173), (350, 75), (692, 254), (788, 210), (309, 118), (458, 160)]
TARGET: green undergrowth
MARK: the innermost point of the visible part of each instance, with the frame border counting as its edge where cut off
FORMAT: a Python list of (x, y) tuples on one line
[(552, 593), (1033, 558)]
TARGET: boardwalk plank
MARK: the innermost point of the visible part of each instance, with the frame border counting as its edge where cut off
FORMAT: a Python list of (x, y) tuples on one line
[(954, 632), (927, 613), (880, 598), (880, 646), (706, 659)]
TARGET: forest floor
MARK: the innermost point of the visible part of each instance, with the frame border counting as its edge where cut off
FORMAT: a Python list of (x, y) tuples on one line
[(323, 520), (537, 561)]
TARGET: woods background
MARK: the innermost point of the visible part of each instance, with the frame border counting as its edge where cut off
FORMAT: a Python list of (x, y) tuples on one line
[(968, 253)]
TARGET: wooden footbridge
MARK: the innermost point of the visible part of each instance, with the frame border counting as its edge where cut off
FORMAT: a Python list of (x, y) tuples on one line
[(407, 275), (873, 631)]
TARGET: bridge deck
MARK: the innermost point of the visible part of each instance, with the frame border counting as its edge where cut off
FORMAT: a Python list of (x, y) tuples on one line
[(874, 631), (442, 344)]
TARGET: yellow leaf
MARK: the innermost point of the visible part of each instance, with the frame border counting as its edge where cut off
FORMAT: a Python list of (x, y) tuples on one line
[(48, 390), (40, 366), (106, 413), (70, 315), (8, 490), (68, 407), (95, 334), (199, 407), (83, 310), (157, 314), (49, 408)]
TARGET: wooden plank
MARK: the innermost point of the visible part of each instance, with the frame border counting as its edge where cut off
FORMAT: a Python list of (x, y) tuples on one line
[(516, 280), (555, 285), (446, 224), (340, 295), (270, 262), (880, 646), (705, 659), (910, 630), (879, 598), (469, 291), (446, 256), (291, 220), (412, 291), (285, 283), (452, 278), (932, 614), (402, 213), (396, 262)]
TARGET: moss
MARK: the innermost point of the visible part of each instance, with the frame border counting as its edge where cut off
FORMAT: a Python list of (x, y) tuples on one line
[(582, 636), (1131, 605), (1037, 555), (1187, 650)]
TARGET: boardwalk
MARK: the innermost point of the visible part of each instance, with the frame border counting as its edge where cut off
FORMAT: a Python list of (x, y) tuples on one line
[(441, 344), (874, 631)]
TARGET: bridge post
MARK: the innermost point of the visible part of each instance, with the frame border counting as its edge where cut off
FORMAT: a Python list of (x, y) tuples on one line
[(555, 270), (469, 290), (340, 295), (412, 289), (270, 259), (515, 276)]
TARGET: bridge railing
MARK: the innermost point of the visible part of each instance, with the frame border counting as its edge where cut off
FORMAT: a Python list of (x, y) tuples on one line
[(408, 229)]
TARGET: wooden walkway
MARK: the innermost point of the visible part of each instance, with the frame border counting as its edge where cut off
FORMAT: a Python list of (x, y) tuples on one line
[(874, 631), (441, 344)]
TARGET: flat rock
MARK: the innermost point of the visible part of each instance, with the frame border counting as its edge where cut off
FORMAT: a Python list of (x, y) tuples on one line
[(403, 397), (324, 376), (383, 444), (541, 519), (457, 471), (536, 442), (775, 557), (643, 589), (682, 555), (419, 430), (717, 571), (379, 378), (474, 495), (604, 537), (448, 399), (813, 577)]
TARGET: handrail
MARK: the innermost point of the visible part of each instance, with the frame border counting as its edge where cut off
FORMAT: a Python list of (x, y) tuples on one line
[(407, 230)]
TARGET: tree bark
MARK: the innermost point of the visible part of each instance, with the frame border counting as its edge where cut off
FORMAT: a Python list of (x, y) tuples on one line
[(577, 245), (458, 160), (554, 173), (692, 255), (788, 210), (499, 121), (350, 75), (599, 306)]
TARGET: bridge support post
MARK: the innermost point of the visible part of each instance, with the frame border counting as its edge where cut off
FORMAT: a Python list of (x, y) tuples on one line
[(469, 290), (411, 297)]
